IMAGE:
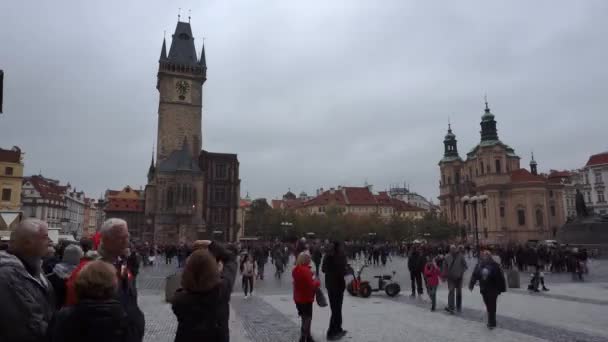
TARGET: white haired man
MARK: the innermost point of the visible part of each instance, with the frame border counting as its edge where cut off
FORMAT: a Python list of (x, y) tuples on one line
[(113, 250), (26, 296)]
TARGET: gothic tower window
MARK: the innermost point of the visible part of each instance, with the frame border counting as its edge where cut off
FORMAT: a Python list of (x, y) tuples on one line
[(498, 169), (482, 169)]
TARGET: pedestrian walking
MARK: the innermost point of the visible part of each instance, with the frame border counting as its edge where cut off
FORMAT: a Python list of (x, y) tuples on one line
[(26, 296), (98, 316), (317, 255), (248, 270), (431, 274), (62, 271), (491, 284), (454, 267), (202, 304), (335, 269), (415, 264), (304, 287)]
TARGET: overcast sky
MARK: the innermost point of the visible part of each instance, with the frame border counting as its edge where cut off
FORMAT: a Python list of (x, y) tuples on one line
[(308, 93)]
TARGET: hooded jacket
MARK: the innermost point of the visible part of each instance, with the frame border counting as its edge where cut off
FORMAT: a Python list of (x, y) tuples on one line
[(203, 316), (304, 285), (92, 321), (27, 302)]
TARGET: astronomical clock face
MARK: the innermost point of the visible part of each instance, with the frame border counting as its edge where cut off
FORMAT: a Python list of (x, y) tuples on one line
[(183, 89)]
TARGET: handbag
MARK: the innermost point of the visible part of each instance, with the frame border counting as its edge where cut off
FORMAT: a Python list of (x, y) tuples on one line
[(320, 297)]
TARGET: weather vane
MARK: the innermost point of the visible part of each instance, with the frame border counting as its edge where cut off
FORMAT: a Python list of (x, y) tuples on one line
[(179, 13), (189, 12)]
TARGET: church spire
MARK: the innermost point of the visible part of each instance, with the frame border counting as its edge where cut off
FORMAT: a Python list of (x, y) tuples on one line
[(488, 124), (163, 51), (203, 60), (152, 168), (450, 143), (533, 165)]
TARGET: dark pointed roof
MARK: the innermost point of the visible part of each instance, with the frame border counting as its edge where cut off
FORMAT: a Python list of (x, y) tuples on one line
[(180, 160), (182, 49), (203, 60), (163, 51)]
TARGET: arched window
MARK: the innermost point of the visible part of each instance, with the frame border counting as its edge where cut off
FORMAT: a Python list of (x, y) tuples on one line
[(539, 217)]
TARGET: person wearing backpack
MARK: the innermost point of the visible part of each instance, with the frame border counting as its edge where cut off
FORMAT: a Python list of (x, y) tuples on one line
[(453, 270), (491, 284), (202, 304)]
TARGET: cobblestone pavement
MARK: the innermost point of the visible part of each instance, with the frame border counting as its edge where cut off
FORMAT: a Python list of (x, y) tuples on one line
[(571, 311)]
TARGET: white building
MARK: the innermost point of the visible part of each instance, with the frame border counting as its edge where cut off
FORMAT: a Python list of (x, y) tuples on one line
[(404, 194), (74, 213), (46, 199), (593, 178)]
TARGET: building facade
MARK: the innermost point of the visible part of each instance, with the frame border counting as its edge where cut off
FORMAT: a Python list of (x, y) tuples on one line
[(90, 218), (191, 194), (492, 197), (45, 199), (404, 194), (592, 180), (73, 220), (128, 204), (11, 179)]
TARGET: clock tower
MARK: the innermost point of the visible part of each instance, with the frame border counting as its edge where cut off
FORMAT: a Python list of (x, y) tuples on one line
[(180, 85)]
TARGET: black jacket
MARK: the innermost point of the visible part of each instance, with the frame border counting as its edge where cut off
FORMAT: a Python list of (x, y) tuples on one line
[(203, 316), (490, 277), (26, 302), (335, 268), (415, 262), (92, 321)]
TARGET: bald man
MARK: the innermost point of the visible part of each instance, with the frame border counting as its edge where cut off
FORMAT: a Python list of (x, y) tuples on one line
[(26, 296)]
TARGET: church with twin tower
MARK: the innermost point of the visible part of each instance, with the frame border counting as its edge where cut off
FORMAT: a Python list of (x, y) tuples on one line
[(191, 193)]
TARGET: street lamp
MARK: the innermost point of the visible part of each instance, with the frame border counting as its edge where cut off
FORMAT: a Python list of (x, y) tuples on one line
[(474, 200)]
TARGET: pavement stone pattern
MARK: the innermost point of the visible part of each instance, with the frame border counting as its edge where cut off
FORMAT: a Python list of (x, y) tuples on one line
[(571, 311)]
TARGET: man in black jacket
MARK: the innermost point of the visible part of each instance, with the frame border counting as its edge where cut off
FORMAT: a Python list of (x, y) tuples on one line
[(491, 283), (334, 267), (415, 264), (26, 296)]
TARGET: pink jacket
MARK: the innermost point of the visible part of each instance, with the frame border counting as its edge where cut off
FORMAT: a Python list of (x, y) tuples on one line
[(432, 273)]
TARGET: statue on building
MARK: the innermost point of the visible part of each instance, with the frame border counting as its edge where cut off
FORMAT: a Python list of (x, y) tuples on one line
[(581, 208)]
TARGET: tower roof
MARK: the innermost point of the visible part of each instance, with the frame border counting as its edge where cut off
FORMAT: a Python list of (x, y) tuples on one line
[(450, 135), (203, 60), (532, 161), (487, 115), (163, 51), (182, 49)]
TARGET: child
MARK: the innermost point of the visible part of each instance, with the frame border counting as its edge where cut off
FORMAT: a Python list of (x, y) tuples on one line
[(431, 274)]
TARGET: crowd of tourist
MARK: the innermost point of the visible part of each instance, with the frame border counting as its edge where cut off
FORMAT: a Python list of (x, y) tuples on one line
[(86, 291)]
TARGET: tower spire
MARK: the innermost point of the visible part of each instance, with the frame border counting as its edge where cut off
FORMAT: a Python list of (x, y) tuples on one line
[(488, 124), (163, 50), (203, 60), (533, 165)]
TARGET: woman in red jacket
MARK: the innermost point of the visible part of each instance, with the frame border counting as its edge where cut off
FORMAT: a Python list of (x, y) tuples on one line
[(304, 287)]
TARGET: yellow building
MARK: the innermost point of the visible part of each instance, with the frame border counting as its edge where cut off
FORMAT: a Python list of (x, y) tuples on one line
[(492, 197), (11, 177)]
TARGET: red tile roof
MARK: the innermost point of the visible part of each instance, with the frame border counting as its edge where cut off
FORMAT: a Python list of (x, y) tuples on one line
[(124, 204), (48, 189), (559, 174), (10, 156), (399, 205), (598, 159), (245, 203), (525, 176), (359, 196), (383, 198), (327, 197)]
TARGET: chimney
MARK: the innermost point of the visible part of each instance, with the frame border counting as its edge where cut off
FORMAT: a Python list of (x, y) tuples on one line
[(332, 191)]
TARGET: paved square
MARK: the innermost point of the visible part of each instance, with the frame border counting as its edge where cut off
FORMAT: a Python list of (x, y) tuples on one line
[(571, 311)]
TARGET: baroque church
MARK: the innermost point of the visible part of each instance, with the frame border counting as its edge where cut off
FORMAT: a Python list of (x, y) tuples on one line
[(191, 193), (491, 197)]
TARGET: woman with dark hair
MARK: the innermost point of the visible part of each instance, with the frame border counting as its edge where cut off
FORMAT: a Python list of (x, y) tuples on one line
[(335, 269), (97, 316), (248, 270), (202, 304)]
